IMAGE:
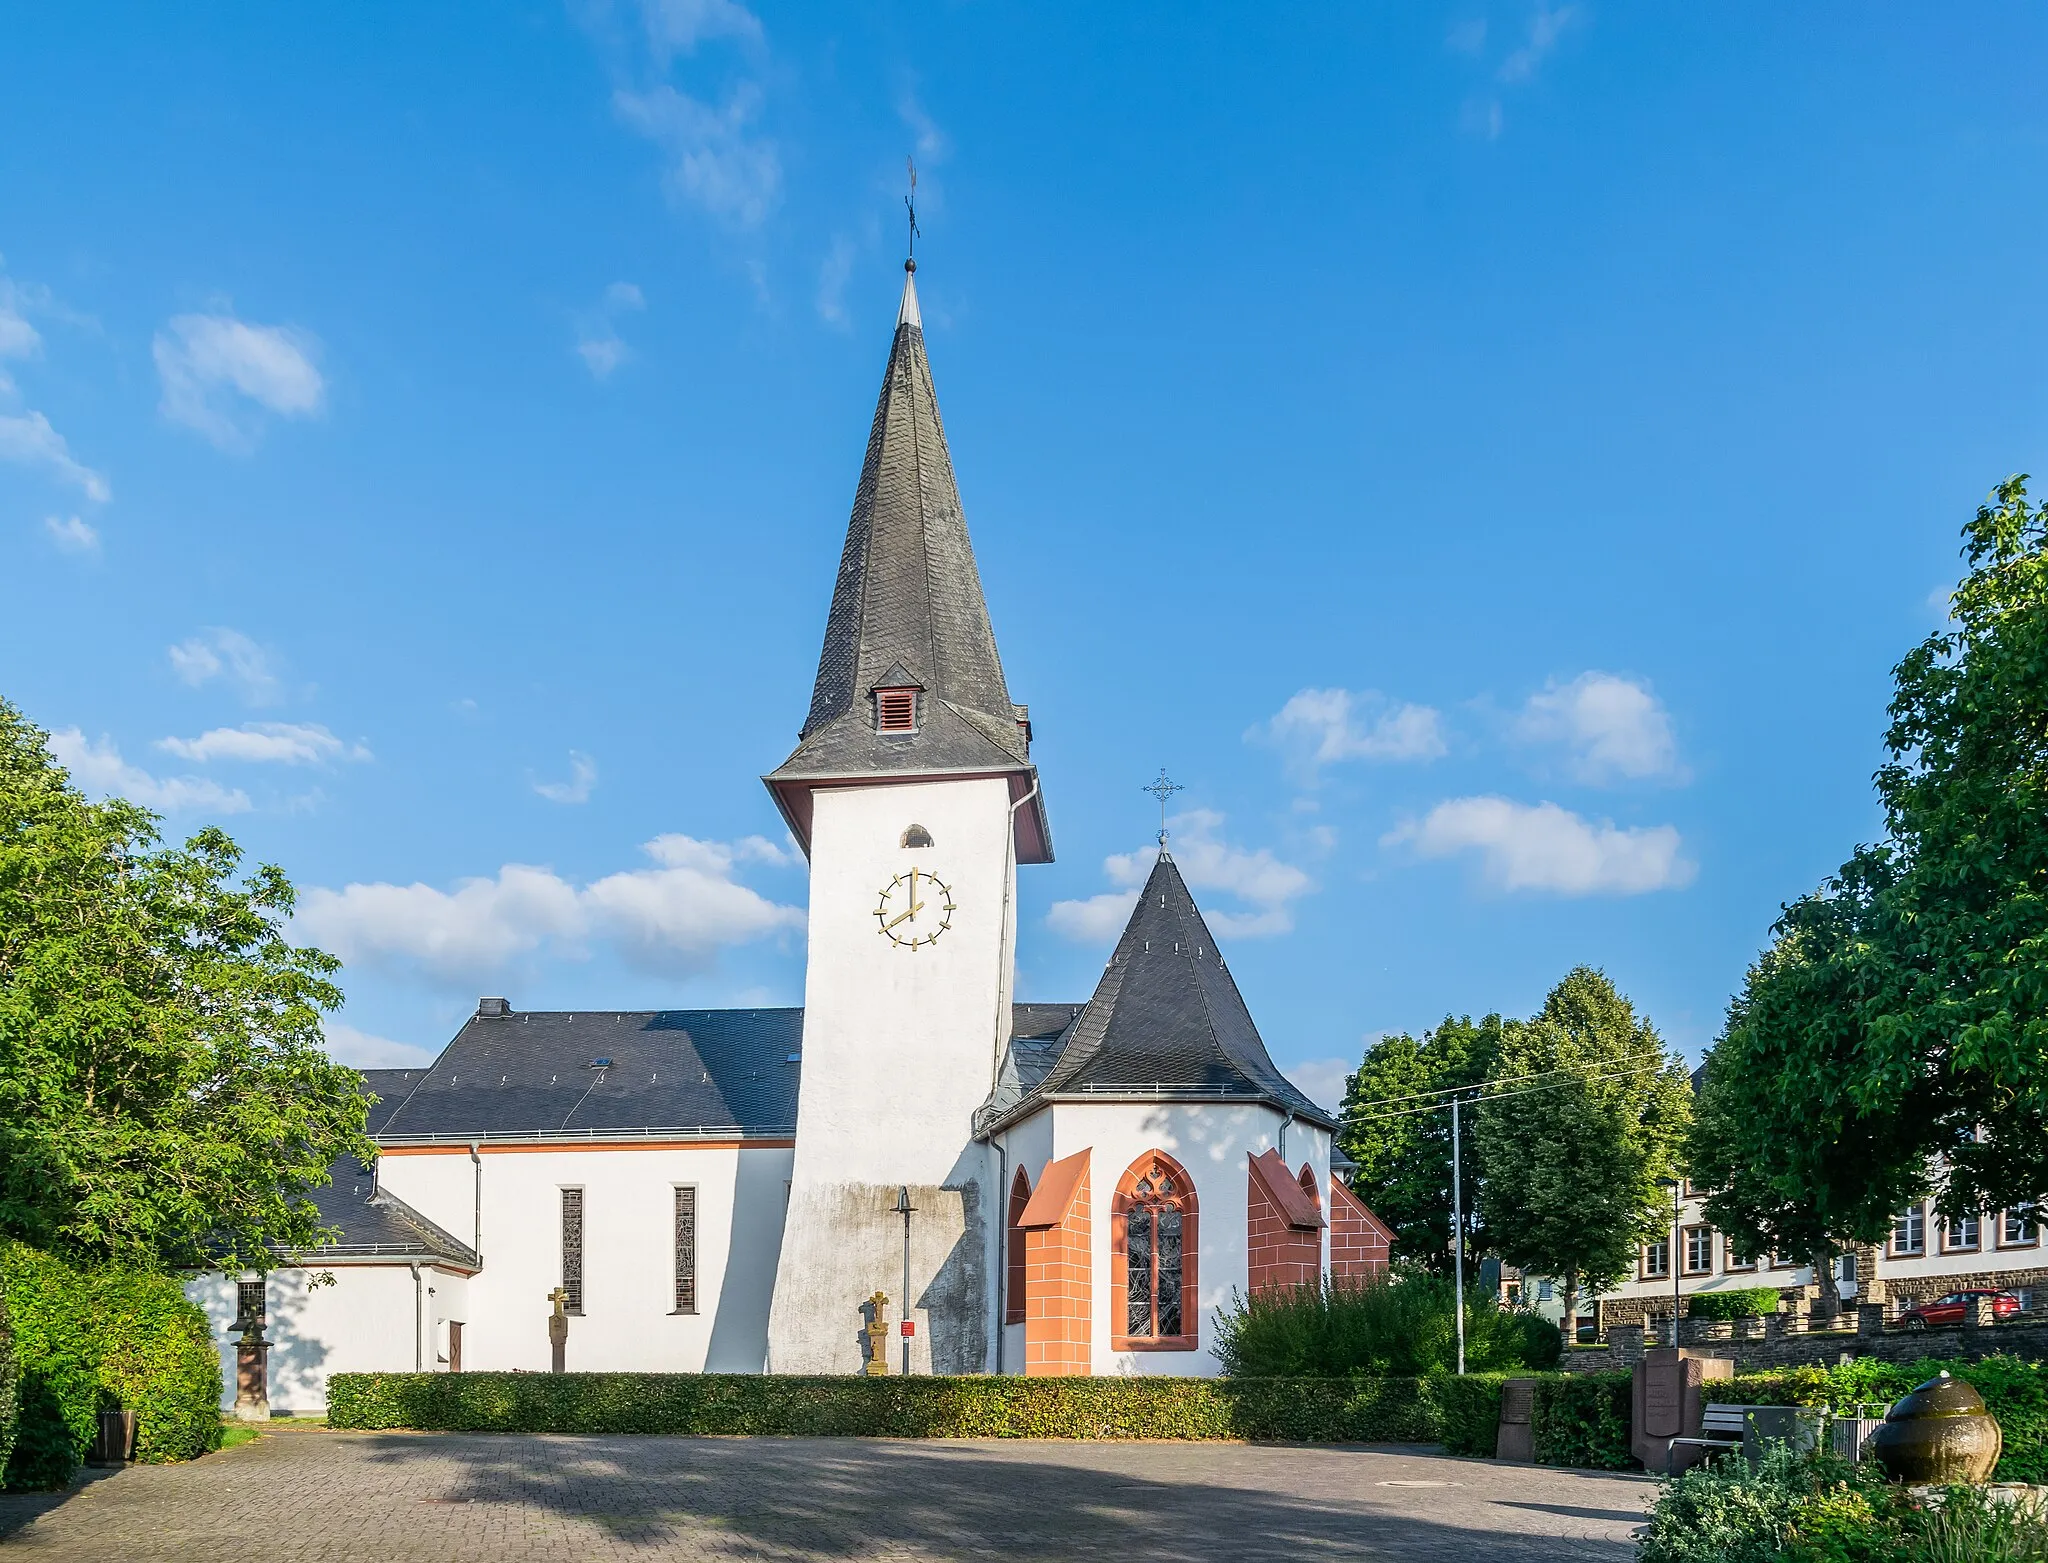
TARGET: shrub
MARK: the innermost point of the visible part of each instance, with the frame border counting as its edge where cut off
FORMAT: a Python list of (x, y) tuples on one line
[(1582, 1419), (1401, 1323), (92, 1340), (1756, 1302), (1392, 1410), (1471, 1416), (10, 1382)]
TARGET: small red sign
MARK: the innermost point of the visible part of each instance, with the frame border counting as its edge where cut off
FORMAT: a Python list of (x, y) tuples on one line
[(909, 1326)]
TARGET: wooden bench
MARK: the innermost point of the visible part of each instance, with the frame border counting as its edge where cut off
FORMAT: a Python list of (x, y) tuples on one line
[(1720, 1428)]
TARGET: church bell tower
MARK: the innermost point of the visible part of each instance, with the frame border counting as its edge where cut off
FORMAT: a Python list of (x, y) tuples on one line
[(913, 794)]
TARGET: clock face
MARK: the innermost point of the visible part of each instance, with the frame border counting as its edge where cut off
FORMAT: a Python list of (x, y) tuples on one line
[(914, 909)]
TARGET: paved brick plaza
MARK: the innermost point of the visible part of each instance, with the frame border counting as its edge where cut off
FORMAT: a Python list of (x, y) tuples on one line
[(314, 1496)]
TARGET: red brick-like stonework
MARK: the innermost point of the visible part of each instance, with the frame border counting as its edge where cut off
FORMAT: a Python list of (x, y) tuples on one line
[(1283, 1227), (1360, 1245), (1059, 1288)]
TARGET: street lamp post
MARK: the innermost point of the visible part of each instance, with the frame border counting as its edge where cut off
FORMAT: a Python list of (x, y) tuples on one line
[(1677, 1219), (905, 1209), (1458, 1232)]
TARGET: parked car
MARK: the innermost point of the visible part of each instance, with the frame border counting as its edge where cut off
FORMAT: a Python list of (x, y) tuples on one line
[(1954, 1308)]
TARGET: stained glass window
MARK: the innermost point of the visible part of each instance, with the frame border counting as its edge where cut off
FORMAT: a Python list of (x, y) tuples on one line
[(1154, 1216), (572, 1249), (686, 1249)]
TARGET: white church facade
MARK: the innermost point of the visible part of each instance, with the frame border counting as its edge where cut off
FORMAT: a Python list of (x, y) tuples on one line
[(723, 1190)]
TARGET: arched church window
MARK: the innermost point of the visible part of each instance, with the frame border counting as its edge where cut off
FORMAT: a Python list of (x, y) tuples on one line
[(1307, 1180), (1153, 1255), (1013, 1293), (917, 836)]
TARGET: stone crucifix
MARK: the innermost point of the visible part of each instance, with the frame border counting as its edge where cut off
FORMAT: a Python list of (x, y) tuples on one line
[(558, 1330)]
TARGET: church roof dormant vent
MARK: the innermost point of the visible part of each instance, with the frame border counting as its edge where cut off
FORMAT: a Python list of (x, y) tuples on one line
[(908, 613)]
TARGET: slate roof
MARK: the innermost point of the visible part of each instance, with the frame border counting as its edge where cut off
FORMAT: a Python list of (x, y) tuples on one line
[(534, 1075), (907, 607), (1166, 1020), (379, 1225)]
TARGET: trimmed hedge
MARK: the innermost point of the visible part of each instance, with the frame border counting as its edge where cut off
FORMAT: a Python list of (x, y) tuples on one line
[(10, 1382), (93, 1340), (2015, 1391), (1755, 1302), (1389, 1410)]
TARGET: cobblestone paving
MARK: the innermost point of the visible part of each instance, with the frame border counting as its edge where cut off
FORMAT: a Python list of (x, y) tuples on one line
[(314, 1496)]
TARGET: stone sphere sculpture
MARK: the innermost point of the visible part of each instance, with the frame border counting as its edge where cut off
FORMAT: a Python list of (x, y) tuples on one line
[(1940, 1433)]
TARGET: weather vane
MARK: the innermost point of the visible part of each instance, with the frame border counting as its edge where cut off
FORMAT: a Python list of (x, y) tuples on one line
[(910, 205), (1162, 789)]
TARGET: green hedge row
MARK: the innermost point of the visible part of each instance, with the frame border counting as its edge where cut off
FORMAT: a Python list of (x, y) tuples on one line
[(1578, 1419), (2015, 1391), (88, 1340), (1754, 1302), (1393, 1410)]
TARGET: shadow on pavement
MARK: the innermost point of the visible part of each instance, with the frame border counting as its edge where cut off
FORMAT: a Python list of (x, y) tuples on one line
[(849, 1498), (18, 1509)]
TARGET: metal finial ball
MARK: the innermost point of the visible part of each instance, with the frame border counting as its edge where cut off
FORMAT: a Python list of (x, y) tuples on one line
[(910, 265)]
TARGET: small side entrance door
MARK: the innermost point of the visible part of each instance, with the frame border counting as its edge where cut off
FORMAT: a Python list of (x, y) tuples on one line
[(454, 1345)]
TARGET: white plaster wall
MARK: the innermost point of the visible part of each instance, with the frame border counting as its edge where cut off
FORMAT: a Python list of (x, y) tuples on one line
[(628, 1322), (900, 1048), (363, 1323), (1214, 1143)]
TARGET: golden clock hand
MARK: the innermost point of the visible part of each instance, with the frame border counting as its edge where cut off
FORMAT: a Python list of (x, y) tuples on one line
[(899, 917)]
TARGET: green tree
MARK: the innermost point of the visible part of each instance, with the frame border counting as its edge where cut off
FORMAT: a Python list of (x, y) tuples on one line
[(1404, 1155), (1585, 1114), (1902, 1015), (164, 1098)]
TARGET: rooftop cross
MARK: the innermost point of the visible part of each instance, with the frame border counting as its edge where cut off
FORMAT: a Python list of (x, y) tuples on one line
[(910, 206), (1162, 789)]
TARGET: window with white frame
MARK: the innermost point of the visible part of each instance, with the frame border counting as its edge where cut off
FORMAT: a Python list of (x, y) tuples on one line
[(1657, 1258), (1699, 1250), (2016, 1228), (1961, 1233), (1909, 1230)]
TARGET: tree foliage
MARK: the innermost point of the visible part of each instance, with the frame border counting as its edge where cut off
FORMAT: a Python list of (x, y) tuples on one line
[(164, 1099), (1902, 1012), (1571, 1171), (1404, 1157)]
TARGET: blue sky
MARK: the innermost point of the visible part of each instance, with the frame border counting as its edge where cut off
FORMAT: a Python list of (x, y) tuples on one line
[(1491, 454)]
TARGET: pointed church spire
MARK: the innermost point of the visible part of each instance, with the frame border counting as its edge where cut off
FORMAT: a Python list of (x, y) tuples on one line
[(908, 612)]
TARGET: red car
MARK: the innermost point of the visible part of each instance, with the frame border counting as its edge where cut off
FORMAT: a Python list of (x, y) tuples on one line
[(1950, 1310)]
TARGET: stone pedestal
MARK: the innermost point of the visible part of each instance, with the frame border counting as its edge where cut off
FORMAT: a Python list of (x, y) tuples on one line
[(1869, 1318), (1516, 1437), (252, 1379), (1668, 1400), (1626, 1341)]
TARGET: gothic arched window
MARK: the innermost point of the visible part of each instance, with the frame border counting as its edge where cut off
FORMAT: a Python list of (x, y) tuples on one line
[(1013, 1297), (1152, 1257)]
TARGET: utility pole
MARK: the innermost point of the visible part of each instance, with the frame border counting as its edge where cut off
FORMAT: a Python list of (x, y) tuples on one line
[(1458, 1231), (1677, 1234)]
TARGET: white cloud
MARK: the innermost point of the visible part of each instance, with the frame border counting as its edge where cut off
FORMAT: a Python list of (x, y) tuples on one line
[(715, 162), (215, 367), (1547, 848), (1207, 862), (266, 743), (1467, 37), (360, 1050), (1322, 1080), (1546, 26), (582, 781), (27, 440), (73, 534), (228, 654), (18, 339), (833, 272), (598, 342), (677, 26), (1323, 726), (929, 143), (1095, 920), (99, 768), (1612, 727), (673, 917)]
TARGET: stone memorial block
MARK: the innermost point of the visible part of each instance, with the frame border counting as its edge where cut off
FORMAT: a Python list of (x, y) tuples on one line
[(1667, 1401), (1516, 1437)]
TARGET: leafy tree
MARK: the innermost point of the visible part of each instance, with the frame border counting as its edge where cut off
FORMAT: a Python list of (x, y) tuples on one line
[(1404, 1156), (1903, 1012), (164, 1099), (1571, 1170)]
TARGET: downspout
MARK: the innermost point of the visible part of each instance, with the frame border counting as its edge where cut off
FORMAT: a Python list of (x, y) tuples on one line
[(476, 1204), (1003, 1248), (419, 1304), (995, 1067), (1284, 1123)]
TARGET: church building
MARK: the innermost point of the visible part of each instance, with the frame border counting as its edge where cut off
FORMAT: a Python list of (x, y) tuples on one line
[(1013, 1187)]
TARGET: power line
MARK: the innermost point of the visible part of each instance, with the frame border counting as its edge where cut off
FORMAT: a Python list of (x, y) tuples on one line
[(1449, 1091), (1481, 1095)]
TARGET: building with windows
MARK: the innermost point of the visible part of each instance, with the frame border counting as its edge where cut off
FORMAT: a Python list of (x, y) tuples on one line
[(1924, 1258), (1069, 1188)]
